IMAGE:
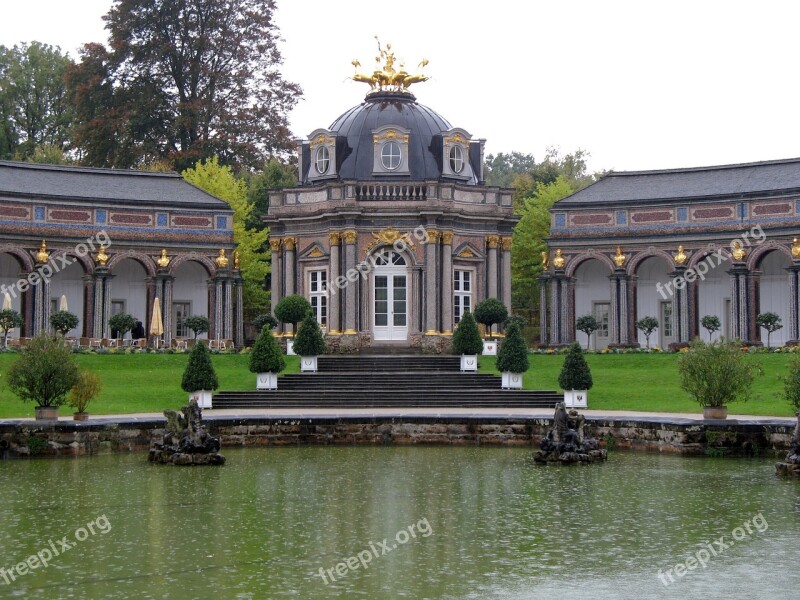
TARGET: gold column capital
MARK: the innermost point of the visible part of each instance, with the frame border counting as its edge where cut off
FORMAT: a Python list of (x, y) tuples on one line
[(432, 235), (505, 242), (290, 243), (335, 238), (492, 241), (447, 237), (275, 244), (350, 236)]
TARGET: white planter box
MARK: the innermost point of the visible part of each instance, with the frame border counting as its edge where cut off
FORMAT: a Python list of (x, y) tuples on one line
[(512, 381), (576, 398), (469, 362), (489, 347), (290, 348), (203, 398), (308, 364), (267, 381)]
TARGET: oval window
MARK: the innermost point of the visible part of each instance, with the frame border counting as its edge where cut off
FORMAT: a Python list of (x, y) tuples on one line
[(456, 159), (390, 156), (322, 160)]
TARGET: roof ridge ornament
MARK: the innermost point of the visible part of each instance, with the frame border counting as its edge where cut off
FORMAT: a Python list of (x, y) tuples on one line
[(385, 78)]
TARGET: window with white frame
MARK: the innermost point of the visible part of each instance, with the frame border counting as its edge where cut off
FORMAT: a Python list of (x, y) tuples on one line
[(318, 295), (462, 293)]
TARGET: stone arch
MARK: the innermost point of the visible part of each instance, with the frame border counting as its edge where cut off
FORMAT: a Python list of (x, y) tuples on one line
[(701, 254), (85, 261), (207, 263), (754, 261), (143, 259), (640, 257), (576, 260), (23, 257), (406, 252)]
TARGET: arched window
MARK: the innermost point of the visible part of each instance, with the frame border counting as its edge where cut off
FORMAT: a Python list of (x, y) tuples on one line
[(322, 160), (456, 159), (391, 156), (389, 258)]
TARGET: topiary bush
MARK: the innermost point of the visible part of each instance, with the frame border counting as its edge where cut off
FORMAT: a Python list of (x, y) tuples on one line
[(293, 309), (266, 356), (711, 323), (122, 323), (490, 312), (9, 319), (716, 373), (575, 373), (513, 354), (467, 338), (63, 321), (44, 372), (265, 319), (588, 325), (198, 324), (309, 340), (199, 373), (647, 325)]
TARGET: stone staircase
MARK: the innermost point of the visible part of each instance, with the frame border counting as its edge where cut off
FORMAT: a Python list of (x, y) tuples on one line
[(397, 381)]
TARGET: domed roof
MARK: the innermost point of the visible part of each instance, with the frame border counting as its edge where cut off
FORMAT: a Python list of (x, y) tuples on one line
[(401, 110)]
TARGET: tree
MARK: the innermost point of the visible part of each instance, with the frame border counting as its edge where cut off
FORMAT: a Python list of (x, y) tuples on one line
[(33, 100), (275, 176), (575, 373), (647, 325), (791, 383), (490, 312), (769, 321), (198, 324), (292, 309), (220, 181), (63, 321), (9, 319), (588, 325), (44, 372), (197, 78), (717, 373), (711, 324), (265, 319), (467, 339), (122, 323), (513, 354), (86, 388), (501, 169), (199, 373), (309, 340), (266, 356)]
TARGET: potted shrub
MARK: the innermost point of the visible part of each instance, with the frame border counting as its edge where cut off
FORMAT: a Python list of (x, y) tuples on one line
[(198, 324), (44, 372), (62, 321), (292, 309), (309, 343), (265, 319), (575, 378), (120, 324), (467, 342), (512, 360), (199, 378), (490, 312), (716, 374), (266, 360), (84, 390), (9, 319)]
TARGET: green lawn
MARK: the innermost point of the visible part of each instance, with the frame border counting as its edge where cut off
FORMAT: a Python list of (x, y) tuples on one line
[(647, 382)]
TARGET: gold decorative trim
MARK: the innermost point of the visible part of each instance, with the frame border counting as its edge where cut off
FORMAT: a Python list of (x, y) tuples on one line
[(738, 252), (432, 236), (505, 242), (350, 236), (466, 253), (386, 77), (290, 243), (335, 238), (431, 332), (221, 261), (334, 332), (315, 253), (42, 256), (102, 258), (447, 238), (447, 332), (795, 248), (559, 261), (275, 244), (492, 241), (391, 134), (389, 236), (681, 257), (350, 332), (545, 260), (619, 258), (456, 138), (321, 139)]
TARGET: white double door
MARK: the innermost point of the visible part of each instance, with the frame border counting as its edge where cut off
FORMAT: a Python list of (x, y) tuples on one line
[(390, 304)]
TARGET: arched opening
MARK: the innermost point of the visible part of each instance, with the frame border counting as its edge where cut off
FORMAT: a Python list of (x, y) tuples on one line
[(68, 282), (714, 294), (189, 297), (593, 297), (774, 294), (10, 270), (129, 290), (654, 298)]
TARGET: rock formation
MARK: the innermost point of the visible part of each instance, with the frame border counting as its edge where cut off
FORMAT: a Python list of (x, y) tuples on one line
[(186, 441), (791, 466), (566, 441)]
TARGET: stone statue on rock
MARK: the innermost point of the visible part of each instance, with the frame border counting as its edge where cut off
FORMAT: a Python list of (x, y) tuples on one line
[(791, 466), (566, 442), (186, 441)]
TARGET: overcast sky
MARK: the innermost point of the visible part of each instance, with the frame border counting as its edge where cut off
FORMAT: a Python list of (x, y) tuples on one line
[(639, 84)]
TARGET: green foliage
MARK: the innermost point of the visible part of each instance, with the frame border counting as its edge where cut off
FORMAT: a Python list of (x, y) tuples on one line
[(220, 181), (275, 176), (266, 356), (490, 312), (309, 340), (44, 372), (717, 373), (36, 445), (9, 319), (792, 383), (769, 321), (63, 321), (467, 338), (84, 390), (199, 373), (575, 374), (265, 319), (588, 325), (647, 325), (122, 323), (292, 309), (711, 324), (513, 354), (198, 324)]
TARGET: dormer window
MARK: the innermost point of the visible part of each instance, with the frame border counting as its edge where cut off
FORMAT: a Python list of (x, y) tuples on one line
[(322, 160), (322, 145), (390, 150), (456, 159), (455, 154)]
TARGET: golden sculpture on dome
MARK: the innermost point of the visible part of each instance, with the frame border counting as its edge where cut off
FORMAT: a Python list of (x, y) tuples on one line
[(385, 78), (102, 258), (42, 256), (559, 261), (163, 261), (620, 258), (221, 260), (681, 257), (738, 252)]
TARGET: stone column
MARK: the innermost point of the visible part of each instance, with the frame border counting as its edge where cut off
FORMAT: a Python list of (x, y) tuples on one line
[(492, 241), (101, 302), (163, 291), (740, 302), (289, 245), (212, 307), (350, 297), (88, 306), (561, 322), (41, 303), (219, 304), (227, 330), (275, 271), (505, 271), (680, 304), (794, 305), (238, 315), (544, 329), (431, 282), (447, 282), (335, 291), (620, 322)]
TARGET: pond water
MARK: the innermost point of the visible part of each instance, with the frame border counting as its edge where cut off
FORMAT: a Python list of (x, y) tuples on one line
[(487, 523)]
